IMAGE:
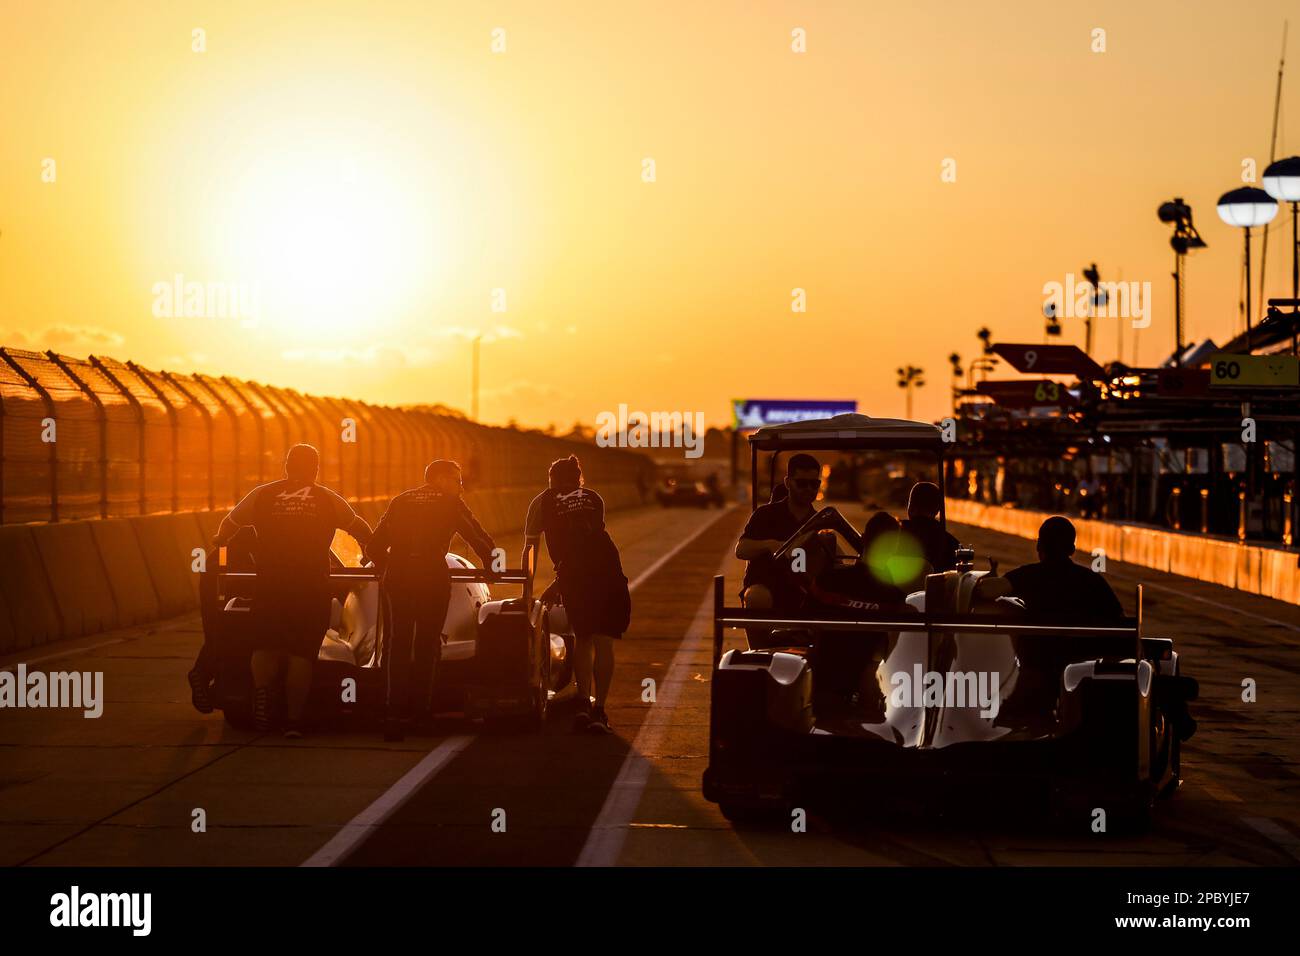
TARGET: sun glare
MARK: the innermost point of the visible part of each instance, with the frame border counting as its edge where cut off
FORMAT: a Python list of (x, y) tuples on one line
[(333, 241)]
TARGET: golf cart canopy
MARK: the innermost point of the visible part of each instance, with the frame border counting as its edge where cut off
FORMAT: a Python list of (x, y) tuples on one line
[(849, 431)]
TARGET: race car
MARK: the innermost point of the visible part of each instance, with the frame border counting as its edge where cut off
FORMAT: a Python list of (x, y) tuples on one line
[(948, 695), (503, 660), (688, 494)]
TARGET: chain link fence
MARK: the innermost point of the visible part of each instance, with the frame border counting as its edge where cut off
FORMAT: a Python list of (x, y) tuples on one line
[(100, 438)]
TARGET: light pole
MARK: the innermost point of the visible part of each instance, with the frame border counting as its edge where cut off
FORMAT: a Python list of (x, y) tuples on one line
[(955, 360), (1098, 299), (473, 404), (1282, 182), (1184, 239), (1053, 321), (909, 378), (1247, 208)]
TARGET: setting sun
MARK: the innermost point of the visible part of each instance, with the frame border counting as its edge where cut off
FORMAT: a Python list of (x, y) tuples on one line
[(334, 241)]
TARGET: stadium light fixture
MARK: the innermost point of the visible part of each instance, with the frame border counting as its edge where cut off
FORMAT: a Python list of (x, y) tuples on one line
[(1282, 182), (1247, 208), (1185, 238)]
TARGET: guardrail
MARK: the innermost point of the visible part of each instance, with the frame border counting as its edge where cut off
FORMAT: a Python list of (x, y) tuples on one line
[(101, 438), (1255, 569)]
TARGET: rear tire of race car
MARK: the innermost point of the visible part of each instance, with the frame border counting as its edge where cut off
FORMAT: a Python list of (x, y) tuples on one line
[(532, 721), (536, 718), (1174, 766)]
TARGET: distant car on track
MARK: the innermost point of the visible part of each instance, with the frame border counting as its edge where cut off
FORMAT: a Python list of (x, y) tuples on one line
[(688, 494)]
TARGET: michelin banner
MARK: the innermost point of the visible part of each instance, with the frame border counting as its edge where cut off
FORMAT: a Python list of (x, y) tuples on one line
[(751, 413)]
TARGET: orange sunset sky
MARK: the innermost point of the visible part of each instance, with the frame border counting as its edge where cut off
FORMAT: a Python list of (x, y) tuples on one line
[(375, 170)]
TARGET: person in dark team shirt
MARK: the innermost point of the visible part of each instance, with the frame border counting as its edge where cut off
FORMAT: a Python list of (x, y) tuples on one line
[(590, 579), (923, 506), (766, 585), (295, 520), (1057, 588), (410, 548)]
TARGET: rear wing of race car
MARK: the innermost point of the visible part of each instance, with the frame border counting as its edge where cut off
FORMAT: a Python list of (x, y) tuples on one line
[(738, 617), (521, 576)]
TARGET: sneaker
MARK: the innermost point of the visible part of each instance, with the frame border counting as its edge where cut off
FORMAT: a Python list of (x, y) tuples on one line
[(292, 730), (262, 709), (599, 722), (200, 692)]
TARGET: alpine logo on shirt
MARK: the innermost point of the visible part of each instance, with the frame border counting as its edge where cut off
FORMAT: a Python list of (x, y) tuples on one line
[(570, 503), (291, 504)]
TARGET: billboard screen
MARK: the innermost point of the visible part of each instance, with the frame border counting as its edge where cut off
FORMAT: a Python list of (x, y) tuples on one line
[(752, 413)]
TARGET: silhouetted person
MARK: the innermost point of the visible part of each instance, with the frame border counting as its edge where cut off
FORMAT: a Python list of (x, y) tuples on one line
[(295, 520), (879, 525), (410, 547), (937, 545), (767, 585), (589, 575), (857, 586), (1056, 587), (714, 486)]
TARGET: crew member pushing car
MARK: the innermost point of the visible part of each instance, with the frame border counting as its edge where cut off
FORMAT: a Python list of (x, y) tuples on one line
[(295, 520), (410, 548), (589, 576)]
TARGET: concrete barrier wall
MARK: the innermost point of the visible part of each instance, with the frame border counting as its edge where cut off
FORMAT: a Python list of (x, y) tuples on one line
[(34, 616), (134, 598), (1257, 569), (75, 578)]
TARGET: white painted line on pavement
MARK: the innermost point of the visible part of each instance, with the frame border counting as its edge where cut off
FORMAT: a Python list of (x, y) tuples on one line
[(605, 841), (1222, 794), (65, 653), (364, 823), (1203, 600), (664, 559)]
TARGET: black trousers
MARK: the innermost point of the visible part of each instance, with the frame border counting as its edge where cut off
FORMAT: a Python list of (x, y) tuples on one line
[(418, 606)]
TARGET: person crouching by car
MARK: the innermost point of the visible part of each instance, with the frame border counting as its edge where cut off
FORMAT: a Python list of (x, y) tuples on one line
[(409, 547), (590, 580), (295, 520)]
